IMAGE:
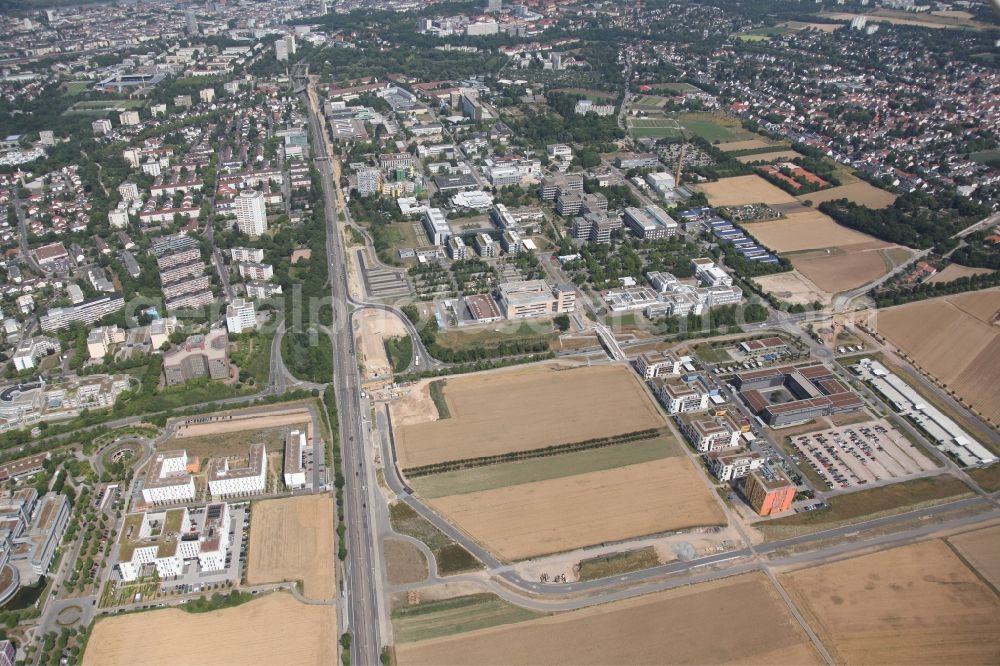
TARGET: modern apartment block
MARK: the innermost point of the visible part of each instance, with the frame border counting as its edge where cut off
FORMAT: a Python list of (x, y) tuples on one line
[(295, 451), (251, 213), (240, 316), (168, 478), (226, 480), (88, 312), (768, 490), (658, 364), (732, 465), (436, 226)]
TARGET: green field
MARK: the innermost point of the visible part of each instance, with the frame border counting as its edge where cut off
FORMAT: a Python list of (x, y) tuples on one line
[(489, 477), (715, 127), (709, 355), (77, 87), (674, 87), (109, 104), (618, 563), (433, 619), (649, 102), (984, 156), (501, 332)]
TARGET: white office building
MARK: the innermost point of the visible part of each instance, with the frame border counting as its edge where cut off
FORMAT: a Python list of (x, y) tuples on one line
[(251, 213), (295, 451), (436, 226)]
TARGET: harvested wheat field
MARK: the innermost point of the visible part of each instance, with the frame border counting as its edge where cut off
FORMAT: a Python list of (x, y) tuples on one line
[(860, 192), (377, 326), (792, 287), (543, 517), (954, 271), (274, 629), (740, 190), (953, 338), (808, 230), (667, 627), (783, 155), (917, 604), (527, 408), (980, 549), (836, 272), (746, 144), (292, 539)]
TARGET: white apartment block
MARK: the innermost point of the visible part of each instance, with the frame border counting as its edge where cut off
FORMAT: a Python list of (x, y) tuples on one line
[(712, 433), (251, 213), (246, 254), (658, 364), (227, 481), (167, 479), (295, 450), (154, 538), (100, 339), (256, 272), (679, 397), (240, 316), (129, 192), (29, 351), (729, 466)]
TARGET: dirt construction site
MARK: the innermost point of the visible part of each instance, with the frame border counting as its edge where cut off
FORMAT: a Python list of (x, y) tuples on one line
[(862, 453), (740, 190), (292, 539), (668, 626), (557, 515), (273, 629), (521, 409), (216, 424), (915, 604), (374, 328)]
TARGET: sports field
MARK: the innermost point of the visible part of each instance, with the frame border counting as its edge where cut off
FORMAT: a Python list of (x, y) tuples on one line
[(955, 339), (746, 144), (740, 190), (860, 192), (667, 627), (980, 548), (917, 604), (530, 519), (523, 409), (274, 629), (292, 539)]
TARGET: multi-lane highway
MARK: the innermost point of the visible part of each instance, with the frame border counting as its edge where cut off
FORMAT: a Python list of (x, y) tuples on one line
[(363, 566)]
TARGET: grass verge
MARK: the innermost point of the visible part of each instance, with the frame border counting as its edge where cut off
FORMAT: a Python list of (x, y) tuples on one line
[(618, 563), (434, 619), (437, 395), (867, 505), (451, 557)]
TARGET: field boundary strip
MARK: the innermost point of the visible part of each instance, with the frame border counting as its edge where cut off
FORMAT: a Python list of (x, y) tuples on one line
[(514, 456)]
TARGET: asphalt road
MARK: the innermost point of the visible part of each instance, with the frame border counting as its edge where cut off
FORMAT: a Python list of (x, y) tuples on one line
[(363, 564)]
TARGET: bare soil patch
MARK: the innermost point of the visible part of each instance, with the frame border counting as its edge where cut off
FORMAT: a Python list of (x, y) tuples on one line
[(740, 190), (527, 408), (377, 326), (404, 562), (914, 604), (526, 520), (292, 539), (954, 339), (792, 287), (860, 192), (658, 628), (275, 629)]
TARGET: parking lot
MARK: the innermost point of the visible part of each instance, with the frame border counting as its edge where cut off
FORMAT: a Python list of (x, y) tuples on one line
[(858, 454)]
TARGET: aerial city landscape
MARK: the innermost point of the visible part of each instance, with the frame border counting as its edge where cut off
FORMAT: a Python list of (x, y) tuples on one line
[(558, 332)]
